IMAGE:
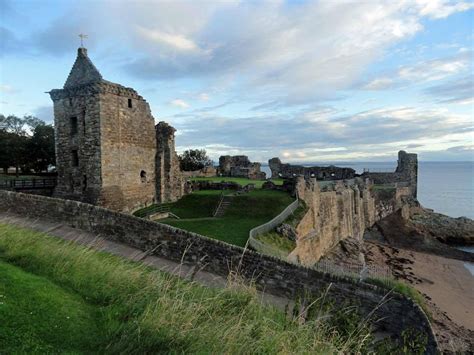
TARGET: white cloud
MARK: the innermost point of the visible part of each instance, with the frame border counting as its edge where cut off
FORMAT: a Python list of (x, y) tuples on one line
[(179, 103), (203, 96), (379, 84), (176, 41), (7, 89), (442, 8)]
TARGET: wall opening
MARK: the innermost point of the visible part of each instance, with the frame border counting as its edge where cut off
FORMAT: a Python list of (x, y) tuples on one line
[(130, 103), (75, 158), (73, 121), (143, 176), (84, 183)]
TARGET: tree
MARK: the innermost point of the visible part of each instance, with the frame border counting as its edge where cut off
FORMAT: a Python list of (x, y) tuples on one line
[(41, 147), (25, 142), (194, 159)]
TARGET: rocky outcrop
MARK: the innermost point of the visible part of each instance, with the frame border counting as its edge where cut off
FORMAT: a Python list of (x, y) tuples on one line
[(454, 231)]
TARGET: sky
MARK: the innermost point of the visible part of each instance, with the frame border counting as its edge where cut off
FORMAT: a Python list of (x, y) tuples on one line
[(307, 81)]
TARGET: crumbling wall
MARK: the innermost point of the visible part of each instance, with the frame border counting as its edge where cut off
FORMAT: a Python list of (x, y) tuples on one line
[(207, 171), (406, 173), (280, 170), (240, 166), (170, 182)]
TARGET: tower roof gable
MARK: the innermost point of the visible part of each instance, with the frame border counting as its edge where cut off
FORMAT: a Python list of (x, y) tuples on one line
[(83, 71)]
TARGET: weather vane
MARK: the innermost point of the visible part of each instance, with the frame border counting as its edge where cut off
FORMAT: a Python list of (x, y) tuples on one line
[(83, 36)]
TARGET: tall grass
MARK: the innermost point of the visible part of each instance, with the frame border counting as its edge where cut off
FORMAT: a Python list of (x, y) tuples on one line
[(147, 311)]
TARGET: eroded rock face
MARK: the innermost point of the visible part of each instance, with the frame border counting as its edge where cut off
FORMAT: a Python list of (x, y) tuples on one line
[(340, 211), (454, 231)]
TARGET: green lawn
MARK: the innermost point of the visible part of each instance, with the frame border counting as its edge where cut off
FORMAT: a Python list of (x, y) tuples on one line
[(245, 212), (58, 297), (38, 316), (240, 181)]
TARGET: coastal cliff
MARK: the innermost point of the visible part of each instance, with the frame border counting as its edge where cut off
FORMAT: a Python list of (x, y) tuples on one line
[(339, 211)]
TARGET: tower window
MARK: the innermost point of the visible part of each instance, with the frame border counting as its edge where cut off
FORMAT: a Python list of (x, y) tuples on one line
[(75, 158), (130, 103), (84, 183), (73, 121), (143, 176)]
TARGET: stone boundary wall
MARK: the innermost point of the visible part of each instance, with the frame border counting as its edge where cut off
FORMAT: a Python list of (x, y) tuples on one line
[(392, 312)]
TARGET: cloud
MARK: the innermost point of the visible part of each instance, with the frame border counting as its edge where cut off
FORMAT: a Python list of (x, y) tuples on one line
[(7, 89), (459, 91), (421, 72), (326, 134), (437, 9), (203, 96), (379, 84), (179, 103), (44, 113), (176, 41)]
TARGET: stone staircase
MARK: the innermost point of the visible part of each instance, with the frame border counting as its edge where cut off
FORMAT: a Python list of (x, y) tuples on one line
[(224, 203)]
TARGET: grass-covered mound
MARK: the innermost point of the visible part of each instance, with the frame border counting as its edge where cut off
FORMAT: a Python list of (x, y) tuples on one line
[(116, 306), (245, 212)]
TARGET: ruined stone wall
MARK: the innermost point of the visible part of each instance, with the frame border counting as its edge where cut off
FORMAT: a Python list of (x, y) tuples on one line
[(340, 211), (280, 170), (207, 171), (128, 149), (77, 132), (240, 166), (406, 173), (343, 211), (170, 182), (393, 314)]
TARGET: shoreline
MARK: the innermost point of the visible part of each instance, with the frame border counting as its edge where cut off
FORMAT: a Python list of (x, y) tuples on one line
[(446, 284)]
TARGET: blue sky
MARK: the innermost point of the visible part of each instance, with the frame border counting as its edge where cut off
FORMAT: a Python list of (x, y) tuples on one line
[(304, 80)]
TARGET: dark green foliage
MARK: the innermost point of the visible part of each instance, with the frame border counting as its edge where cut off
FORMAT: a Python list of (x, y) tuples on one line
[(26, 143), (194, 159)]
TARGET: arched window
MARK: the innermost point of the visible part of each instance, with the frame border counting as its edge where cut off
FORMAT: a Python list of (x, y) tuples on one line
[(143, 176)]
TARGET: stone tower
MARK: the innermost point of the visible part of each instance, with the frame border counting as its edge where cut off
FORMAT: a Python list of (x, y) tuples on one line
[(407, 167), (105, 140), (170, 182)]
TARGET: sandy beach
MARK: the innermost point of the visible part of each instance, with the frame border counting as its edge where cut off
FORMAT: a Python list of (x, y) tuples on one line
[(447, 285)]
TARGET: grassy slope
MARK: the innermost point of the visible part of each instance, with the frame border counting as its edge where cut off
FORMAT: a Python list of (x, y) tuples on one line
[(119, 306), (246, 212), (38, 316)]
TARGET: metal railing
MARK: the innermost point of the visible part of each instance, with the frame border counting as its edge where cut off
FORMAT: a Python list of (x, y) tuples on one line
[(275, 222), (27, 184)]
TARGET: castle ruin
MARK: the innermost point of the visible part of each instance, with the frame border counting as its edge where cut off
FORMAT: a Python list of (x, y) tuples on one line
[(288, 171), (109, 151), (240, 166)]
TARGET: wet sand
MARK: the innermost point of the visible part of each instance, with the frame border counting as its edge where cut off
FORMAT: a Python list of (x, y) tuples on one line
[(448, 288)]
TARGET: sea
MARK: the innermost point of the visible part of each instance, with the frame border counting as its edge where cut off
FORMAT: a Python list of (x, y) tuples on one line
[(445, 187)]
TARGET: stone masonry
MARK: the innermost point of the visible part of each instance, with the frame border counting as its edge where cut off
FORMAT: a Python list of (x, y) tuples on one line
[(106, 144), (406, 173), (240, 166), (280, 170)]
